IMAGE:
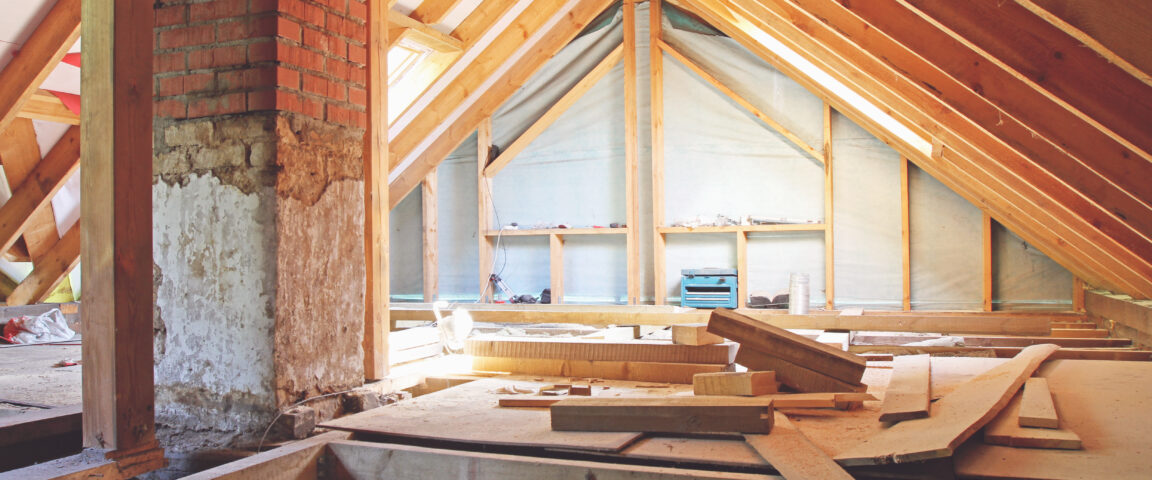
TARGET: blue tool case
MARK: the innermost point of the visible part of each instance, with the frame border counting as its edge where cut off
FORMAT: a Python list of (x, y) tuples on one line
[(708, 287)]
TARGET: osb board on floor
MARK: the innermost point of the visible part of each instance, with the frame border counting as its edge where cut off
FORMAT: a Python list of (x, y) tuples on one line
[(1106, 403), (470, 413)]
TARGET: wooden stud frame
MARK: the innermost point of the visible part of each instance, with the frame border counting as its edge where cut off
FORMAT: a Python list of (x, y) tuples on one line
[(428, 196), (905, 236), (656, 66), (631, 153), (376, 319), (987, 227), (484, 208), (829, 250)]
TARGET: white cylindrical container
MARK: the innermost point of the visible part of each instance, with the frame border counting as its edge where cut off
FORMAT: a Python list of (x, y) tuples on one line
[(798, 294)]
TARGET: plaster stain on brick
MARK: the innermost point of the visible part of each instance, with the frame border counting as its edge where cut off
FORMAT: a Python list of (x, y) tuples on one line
[(313, 154)]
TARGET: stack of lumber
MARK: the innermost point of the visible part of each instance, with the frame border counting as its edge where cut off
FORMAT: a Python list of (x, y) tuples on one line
[(639, 360), (413, 344), (800, 363)]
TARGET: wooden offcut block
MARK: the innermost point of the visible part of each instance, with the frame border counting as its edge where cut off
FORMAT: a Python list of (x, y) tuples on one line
[(734, 383), (1005, 430), (786, 346), (713, 414), (795, 376), (694, 334), (1036, 407)]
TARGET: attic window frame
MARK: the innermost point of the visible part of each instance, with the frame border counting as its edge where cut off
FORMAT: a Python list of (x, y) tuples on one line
[(416, 53)]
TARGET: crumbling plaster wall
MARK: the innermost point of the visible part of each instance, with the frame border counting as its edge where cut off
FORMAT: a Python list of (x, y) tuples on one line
[(258, 224)]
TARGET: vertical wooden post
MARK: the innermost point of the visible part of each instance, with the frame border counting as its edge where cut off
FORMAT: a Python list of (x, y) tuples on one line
[(905, 234), (656, 64), (742, 269), (1077, 294), (556, 267), (484, 207), (987, 262), (116, 221), (829, 252), (431, 237), (631, 152), (376, 324)]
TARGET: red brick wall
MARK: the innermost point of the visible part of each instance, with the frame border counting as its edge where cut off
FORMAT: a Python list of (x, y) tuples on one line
[(220, 57)]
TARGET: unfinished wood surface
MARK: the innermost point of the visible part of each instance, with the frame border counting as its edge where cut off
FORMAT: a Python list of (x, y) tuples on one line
[(1115, 33), (38, 56), (656, 116), (623, 351), (987, 271), (376, 155), (432, 12), (955, 417), (1036, 407), (742, 292), (1009, 352), (485, 16), (1104, 403), (116, 218), (20, 153), (556, 268), (695, 334), (795, 376), (295, 460), (1005, 430), (38, 188), (711, 414), (430, 235), (680, 373), (909, 391), (777, 342), (1079, 333), (486, 253), (793, 455), (421, 33), (32, 425), (905, 235), (749, 384), (990, 341), (829, 238), (631, 155), (385, 460), (51, 269), (43, 105), (476, 419), (566, 101)]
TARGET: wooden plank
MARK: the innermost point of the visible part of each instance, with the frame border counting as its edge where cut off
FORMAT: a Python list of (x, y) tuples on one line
[(442, 124), (749, 384), (982, 341), (376, 153), (631, 154), (909, 391), (756, 335), (556, 268), (43, 105), (679, 373), (793, 455), (621, 351), (799, 227), (739, 100), (1079, 333), (38, 56), (116, 218), (1115, 33), (829, 243), (432, 12), (1009, 352), (795, 376), (742, 269), (50, 270), (1077, 294), (485, 16), (32, 425), (987, 270), (424, 34), (528, 232), (19, 153), (656, 117), (486, 251), (779, 401), (39, 187), (430, 236), (1005, 430), (292, 461), (477, 419), (1036, 407), (711, 414), (384, 460), (955, 417), (905, 235), (694, 334), (541, 124)]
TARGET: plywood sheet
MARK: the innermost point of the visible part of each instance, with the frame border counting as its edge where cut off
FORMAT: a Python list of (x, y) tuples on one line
[(469, 413)]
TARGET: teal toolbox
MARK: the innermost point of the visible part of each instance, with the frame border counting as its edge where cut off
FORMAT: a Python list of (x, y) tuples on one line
[(708, 287)]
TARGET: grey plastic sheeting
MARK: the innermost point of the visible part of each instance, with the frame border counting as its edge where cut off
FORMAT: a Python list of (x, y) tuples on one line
[(719, 159)]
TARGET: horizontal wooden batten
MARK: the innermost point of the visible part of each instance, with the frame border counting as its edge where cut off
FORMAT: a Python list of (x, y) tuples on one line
[(797, 227), (635, 351), (526, 232)]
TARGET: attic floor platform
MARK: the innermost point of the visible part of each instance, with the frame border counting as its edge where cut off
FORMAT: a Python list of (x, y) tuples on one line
[(1104, 402)]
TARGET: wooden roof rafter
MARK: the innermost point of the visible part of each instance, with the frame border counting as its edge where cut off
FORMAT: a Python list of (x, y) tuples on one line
[(1119, 33), (530, 51), (432, 12), (555, 111), (38, 56), (43, 105), (1033, 214), (401, 26), (38, 188)]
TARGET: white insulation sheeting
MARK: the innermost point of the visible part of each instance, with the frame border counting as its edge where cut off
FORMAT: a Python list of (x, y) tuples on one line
[(718, 160)]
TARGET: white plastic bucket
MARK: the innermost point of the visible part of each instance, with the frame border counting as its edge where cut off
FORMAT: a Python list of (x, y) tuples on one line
[(798, 291)]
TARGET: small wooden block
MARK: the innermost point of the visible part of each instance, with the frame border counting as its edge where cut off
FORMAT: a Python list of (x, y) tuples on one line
[(694, 334), (797, 377), (1036, 407), (713, 414), (734, 383), (1005, 430), (581, 390)]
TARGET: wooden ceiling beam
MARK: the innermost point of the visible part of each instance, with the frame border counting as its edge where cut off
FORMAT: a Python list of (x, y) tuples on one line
[(402, 24), (562, 105), (526, 54), (52, 269), (432, 12), (483, 18), (39, 187), (43, 105), (37, 57), (1119, 31), (20, 153), (1040, 227), (1015, 76)]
